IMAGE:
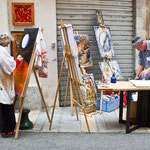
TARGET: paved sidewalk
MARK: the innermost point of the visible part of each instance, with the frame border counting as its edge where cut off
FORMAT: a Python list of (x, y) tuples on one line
[(64, 122)]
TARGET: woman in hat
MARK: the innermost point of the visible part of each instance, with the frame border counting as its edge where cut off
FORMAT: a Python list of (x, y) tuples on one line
[(7, 93)]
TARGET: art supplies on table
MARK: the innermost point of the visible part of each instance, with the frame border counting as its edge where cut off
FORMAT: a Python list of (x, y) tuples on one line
[(103, 84)]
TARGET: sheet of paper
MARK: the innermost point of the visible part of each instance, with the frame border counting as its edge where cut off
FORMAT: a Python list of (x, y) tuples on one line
[(141, 83)]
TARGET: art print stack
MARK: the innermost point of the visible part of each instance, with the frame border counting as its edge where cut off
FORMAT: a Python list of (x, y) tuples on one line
[(88, 91)]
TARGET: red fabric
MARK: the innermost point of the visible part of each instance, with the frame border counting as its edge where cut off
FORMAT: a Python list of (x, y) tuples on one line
[(17, 62)]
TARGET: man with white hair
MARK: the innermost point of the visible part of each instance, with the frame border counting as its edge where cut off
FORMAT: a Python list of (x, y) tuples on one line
[(143, 46), (7, 92)]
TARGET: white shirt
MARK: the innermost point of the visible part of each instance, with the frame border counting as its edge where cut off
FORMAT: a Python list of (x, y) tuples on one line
[(7, 65)]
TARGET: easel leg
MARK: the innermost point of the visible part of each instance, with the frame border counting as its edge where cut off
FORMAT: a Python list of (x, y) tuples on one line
[(101, 102), (15, 101), (68, 79), (78, 88), (44, 103), (71, 97), (19, 119), (57, 91), (72, 102), (86, 120)]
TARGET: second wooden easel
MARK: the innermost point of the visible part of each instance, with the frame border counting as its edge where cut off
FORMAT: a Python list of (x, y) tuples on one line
[(72, 77), (31, 67)]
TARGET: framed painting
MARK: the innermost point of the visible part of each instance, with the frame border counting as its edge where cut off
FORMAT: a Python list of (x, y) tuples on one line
[(83, 49), (104, 41), (106, 70), (115, 69), (23, 13), (16, 40), (100, 20)]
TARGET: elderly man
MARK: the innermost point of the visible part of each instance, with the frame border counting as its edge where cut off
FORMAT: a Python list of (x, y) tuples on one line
[(143, 46), (7, 93)]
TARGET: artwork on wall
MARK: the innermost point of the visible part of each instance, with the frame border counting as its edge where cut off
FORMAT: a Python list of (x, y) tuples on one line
[(83, 48), (100, 20), (115, 69), (23, 13), (88, 90), (104, 41), (16, 40), (25, 50), (109, 68)]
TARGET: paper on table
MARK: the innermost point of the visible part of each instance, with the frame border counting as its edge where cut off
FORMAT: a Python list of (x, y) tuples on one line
[(141, 83)]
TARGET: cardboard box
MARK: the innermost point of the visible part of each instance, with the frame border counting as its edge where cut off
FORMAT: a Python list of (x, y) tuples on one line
[(133, 110)]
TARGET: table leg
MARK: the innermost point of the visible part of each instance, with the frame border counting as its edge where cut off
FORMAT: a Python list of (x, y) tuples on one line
[(121, 107), (128, 112)]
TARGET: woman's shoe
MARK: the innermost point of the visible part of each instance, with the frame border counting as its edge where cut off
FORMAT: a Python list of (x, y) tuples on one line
[(8, 134)]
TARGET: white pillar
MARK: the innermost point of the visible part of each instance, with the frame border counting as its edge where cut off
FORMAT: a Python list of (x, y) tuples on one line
[(3, 16), (140, 23)]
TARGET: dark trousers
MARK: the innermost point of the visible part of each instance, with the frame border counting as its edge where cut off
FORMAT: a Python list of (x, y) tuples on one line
[(143, 108), (7, 118)]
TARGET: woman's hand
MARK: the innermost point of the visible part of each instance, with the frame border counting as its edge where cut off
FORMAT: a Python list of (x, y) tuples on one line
[(20, 58)]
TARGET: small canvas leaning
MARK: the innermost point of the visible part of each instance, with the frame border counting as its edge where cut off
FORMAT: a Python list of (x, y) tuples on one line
[(110, 68)]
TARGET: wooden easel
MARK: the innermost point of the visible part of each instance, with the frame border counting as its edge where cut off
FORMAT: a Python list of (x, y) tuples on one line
[(72, 79), (31, 67)]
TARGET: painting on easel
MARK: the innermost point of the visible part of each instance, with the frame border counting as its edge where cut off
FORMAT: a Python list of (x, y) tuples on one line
[(73, 49), (88, 90), (105, 68), (83, 48), (104, 41), (115, 69), (25, 50)]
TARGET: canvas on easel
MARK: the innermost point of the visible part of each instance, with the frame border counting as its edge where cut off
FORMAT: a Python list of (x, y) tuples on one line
[(74, 73), (24, 69), (25, 50), (83, 48), (104, 41), (106, 71), (115, 69)]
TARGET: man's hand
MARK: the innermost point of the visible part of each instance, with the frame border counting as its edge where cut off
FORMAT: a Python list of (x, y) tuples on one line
[(144, 73), (136, 78)]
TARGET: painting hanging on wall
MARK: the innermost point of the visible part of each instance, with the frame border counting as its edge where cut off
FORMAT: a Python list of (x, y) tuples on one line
[(16, 40), (23, 13), (25, 50), (104, 41), (100, 20), (83, 48), (115, 69)]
